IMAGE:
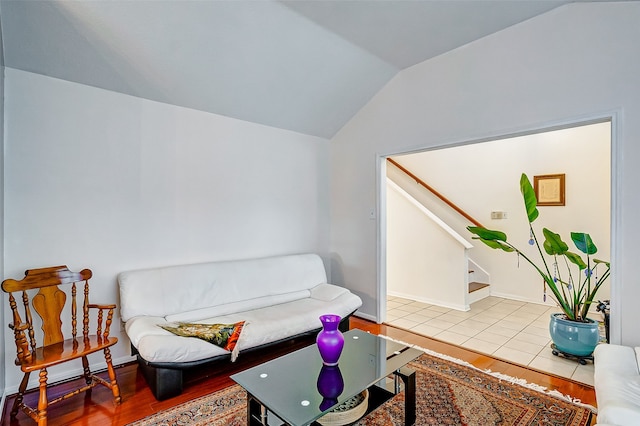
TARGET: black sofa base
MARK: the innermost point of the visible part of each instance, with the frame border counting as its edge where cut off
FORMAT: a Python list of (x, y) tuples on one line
[(165, 383), (166, 379)]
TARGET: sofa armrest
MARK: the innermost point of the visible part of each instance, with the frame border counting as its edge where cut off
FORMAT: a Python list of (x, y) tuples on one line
[(617, 384), (327, 292)]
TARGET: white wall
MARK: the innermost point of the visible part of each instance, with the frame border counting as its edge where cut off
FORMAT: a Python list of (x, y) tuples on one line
[(3, 332), (573, 63), (110, 182), (425, 261), (483, 177)]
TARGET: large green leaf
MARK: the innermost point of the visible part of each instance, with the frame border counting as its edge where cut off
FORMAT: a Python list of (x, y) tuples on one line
[(584, 243), (553, 243), (576, 260), (487, 234), (529, 196), (495, 244)]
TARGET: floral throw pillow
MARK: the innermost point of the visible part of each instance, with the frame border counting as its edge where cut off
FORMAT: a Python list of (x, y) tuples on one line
[(224, 335)]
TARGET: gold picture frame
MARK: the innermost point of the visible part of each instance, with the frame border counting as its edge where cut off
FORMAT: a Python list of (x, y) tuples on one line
[(549, 189)]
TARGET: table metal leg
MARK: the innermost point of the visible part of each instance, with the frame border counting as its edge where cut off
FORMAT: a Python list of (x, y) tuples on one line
[(256, 412), (408, 376)]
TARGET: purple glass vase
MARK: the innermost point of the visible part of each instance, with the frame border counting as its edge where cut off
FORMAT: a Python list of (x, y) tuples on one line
[(330, 340)]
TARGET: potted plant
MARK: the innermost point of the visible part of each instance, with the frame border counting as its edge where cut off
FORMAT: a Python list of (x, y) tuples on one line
[(573, 281)]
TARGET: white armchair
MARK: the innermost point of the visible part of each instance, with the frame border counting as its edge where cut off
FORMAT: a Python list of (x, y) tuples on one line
[(617, 384)]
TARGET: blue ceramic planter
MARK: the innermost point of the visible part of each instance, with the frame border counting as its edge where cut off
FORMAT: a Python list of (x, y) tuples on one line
[(571, 337)]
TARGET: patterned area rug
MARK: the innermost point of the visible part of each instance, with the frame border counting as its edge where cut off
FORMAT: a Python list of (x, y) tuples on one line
[(448, 392)]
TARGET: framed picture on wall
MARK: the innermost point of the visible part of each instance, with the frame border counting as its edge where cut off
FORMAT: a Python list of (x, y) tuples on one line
[(549, 189)]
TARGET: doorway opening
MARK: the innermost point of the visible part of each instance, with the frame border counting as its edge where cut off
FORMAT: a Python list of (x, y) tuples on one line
[(511, 320)]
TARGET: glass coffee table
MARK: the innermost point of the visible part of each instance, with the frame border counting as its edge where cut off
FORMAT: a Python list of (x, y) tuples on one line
[(298, 390)]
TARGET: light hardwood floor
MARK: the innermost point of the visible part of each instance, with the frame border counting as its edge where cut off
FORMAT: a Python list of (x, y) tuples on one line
[(97, 408)]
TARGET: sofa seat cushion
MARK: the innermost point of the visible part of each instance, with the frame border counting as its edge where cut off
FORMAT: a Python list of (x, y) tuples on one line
[(617, 384), (263, 325)]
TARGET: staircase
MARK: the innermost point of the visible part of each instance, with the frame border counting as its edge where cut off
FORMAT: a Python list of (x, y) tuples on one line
[(426, 257), (478, 287)]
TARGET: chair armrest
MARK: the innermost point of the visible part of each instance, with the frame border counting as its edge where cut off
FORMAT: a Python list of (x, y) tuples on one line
[(21, 327), (22, 345), (107, 322), (98, 306)]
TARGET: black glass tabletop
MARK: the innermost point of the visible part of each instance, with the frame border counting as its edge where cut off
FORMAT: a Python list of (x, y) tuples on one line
[(299, 389)]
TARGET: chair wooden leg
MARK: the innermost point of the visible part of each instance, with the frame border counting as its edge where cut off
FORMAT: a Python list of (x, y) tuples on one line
[(112, 377), (86, 370), (19, 398), (43, 402)]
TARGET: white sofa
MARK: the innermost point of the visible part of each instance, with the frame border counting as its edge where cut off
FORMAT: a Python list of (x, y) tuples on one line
[(277, 297), (617, 384)]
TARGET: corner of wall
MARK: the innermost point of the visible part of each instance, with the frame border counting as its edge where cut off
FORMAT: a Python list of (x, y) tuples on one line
[(2, 308)]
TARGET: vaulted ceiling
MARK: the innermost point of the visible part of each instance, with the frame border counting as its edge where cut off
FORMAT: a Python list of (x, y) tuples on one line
[(306, 66)]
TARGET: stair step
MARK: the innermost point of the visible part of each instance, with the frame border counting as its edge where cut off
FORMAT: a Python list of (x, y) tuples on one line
[(475, 286)]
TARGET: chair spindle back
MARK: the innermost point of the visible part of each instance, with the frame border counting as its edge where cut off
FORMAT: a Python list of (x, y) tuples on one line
[(48, 303)]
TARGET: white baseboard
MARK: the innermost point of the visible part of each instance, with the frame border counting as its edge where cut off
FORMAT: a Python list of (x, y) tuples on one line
[(456, 306), (365, 316), (549, 302)]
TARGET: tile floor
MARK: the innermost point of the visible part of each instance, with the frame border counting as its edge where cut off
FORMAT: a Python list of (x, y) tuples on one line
[(507, 329)]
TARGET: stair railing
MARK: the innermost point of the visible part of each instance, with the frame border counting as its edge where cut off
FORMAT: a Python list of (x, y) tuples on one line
[(436, 193)]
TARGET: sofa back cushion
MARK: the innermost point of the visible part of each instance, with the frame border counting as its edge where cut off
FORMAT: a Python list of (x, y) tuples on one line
[(239, 306), (176, 289)]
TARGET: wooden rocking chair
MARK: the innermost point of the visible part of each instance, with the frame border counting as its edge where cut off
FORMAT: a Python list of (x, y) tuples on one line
[(41, 350)]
